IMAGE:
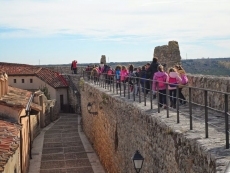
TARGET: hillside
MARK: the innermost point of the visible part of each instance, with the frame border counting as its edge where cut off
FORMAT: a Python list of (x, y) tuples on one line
[(208, 66), (211, 66)]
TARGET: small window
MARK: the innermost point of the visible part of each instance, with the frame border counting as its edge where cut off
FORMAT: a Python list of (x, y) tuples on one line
[(15, 81), (23, 80), (31, 80)]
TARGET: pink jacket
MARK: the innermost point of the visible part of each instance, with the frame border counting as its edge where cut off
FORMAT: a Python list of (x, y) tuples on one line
[(173, 75), (124, 74), (158, 74)]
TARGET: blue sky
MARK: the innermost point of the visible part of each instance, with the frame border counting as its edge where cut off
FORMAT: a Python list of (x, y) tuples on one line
[(58, 31)]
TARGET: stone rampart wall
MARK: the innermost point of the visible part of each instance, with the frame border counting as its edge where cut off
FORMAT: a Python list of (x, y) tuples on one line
[(123, 126), (215, 100)]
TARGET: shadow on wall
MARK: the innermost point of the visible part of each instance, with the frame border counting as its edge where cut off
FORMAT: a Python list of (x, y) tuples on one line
[(67, 108)]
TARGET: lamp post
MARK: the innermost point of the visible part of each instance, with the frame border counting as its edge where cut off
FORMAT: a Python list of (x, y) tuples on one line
[(137, 161), (89, 107)]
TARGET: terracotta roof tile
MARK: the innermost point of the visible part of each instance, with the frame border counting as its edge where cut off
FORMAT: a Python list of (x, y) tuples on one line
[(18, 98), (9, 141), (16, 69), (52, 78)]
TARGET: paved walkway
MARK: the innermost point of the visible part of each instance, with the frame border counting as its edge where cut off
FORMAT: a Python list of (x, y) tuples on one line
[(63, 148)]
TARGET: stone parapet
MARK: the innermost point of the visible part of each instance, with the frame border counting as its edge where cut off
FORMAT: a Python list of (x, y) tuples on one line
[(215, 100), (123, 126)]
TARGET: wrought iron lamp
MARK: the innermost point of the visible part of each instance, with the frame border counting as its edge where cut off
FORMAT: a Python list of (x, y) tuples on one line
[(89, 108), (137, 161)]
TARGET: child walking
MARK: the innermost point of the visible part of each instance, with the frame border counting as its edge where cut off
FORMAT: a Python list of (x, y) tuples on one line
[(118, 76), (173, 79), (184, 81), (159, 84)]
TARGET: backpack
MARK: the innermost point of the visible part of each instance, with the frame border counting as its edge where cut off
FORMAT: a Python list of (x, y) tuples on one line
[(172, 82), (110, 72), (161, 81), (184, 79)]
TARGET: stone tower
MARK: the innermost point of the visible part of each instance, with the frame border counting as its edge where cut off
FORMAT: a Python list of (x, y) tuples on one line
[(103, 59), (168, 54)]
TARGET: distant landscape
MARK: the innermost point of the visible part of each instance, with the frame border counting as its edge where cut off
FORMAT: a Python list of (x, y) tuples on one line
[(206, 66)]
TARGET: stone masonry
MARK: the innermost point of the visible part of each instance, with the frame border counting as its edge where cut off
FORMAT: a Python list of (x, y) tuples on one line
[(168, 54), (103, 59), (123, 126), (215, 100)]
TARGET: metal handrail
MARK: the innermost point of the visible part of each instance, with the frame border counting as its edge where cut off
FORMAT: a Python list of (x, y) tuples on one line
[(125, 87)]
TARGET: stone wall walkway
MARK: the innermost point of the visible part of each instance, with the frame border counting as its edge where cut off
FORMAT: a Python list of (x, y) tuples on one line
[(65, 149)]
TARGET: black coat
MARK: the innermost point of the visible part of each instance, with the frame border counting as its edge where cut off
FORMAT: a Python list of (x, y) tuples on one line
[(153, 69)]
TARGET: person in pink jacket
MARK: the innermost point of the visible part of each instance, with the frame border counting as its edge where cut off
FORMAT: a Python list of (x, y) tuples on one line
[(124, 75), (173, 80), (159, 80)]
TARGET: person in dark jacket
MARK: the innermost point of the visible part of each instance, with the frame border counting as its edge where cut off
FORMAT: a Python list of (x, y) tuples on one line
[(153, 67), (152, 70), (143, 78)]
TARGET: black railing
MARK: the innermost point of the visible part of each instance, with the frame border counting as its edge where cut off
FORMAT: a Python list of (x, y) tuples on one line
[(140, 91)]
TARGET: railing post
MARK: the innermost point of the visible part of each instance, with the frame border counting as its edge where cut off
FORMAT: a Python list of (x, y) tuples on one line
[(120, 86), (129, 88), (124, 84), (139, 85), (145, 92), (134, 88), (158, 98), (117, 85), (151, 94), (113, 84), (110, 87), (177, 104), (226, 120), (105, 80), (190, 107), (167, 99), (206, 112), (102, 80)]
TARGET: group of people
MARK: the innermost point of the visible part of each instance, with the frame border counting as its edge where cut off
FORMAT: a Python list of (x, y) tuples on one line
[(145, 75), (175, 76)]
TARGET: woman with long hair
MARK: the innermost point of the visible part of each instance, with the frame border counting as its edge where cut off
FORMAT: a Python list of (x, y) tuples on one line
[(182, 74)]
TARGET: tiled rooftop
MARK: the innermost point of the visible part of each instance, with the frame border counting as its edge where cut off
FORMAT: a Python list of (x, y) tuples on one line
[(9, 141), (52, 78), (18, 98)]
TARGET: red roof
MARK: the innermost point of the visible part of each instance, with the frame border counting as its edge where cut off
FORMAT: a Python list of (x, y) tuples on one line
[(50, 77), (9, 141)]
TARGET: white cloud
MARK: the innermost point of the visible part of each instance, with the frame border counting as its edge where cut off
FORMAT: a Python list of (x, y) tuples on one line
[(103, 18), (126, 21)]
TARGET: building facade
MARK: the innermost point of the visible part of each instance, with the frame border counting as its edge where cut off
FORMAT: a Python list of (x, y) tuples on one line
[(33, 78)]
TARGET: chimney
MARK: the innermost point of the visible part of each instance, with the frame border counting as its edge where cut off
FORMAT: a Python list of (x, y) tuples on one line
[(1, 84), (6, 83)]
